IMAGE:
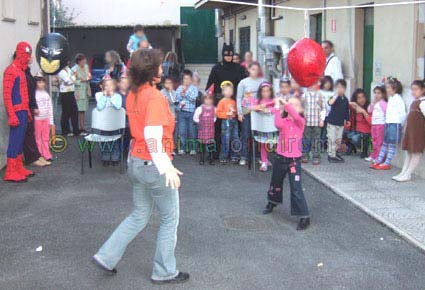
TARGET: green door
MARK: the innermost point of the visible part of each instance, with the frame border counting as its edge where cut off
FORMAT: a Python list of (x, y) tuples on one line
[(368, 50), (198, 37)]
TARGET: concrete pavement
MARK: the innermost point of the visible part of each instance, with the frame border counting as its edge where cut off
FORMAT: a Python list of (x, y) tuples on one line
[(224, 241), (400, 206)]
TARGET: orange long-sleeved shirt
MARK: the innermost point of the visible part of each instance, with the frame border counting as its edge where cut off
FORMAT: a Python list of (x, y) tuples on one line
[(224, 107)]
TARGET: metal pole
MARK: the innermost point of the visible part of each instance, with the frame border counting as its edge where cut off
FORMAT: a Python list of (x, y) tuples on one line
[(261, 31)]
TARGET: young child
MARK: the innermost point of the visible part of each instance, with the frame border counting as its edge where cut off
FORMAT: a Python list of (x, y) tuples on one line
[(327, 92), (338, 117), (263, 105), (394, 119), (414, 139), (170, 94), (186, 95), (284, 89), (109, 98), (358, 134), (205, 117), (137, 37), (246, 97), (378, 110), (43, 122), (226, 111), (315, 114), (288, 161)]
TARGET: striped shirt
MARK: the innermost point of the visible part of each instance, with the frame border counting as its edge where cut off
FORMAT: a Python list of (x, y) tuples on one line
[(314, 108), (187, 98)]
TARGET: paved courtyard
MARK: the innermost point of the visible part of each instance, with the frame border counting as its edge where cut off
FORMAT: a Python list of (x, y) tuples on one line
[(224, 241)]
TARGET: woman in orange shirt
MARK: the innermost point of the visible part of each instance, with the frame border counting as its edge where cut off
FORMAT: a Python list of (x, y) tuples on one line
[(155, 179)]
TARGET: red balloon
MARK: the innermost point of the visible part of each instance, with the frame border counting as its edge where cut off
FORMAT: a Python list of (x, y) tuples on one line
[(306, 62)]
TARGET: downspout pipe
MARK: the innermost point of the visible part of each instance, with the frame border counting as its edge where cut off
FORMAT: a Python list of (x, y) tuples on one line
[(261, 31)]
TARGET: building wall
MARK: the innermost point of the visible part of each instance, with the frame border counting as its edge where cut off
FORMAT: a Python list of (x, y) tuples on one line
[(398, 40), (23, 23), (128, 12)]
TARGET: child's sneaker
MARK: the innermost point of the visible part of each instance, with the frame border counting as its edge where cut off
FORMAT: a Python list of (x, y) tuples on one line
[(316, 161), (383, 167), (223, 162), (305, 159), (368, 159), (263, 167), (242, 162), (192, 153), (181, 152)]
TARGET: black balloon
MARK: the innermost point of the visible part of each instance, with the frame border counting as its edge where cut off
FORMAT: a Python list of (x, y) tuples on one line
[(52, 53)]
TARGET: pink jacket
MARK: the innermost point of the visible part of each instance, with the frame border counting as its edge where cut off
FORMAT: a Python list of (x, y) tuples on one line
[(291, 131)]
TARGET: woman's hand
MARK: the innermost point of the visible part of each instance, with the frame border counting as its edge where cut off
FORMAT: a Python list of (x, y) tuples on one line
[(172, 178)]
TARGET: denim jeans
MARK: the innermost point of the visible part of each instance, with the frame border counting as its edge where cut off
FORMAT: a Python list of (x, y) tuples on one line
[(245, 137), (230, 144), (358, 141), (186, 129), (148, 189), (111, 150)]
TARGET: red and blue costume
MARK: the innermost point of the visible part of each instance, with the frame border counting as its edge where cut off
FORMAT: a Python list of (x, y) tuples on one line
[(16, 101)]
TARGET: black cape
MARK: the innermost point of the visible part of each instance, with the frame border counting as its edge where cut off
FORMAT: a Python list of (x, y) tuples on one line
[(225, 72)]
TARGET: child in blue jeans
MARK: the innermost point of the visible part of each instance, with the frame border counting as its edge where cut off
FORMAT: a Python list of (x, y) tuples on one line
[(109, 98)]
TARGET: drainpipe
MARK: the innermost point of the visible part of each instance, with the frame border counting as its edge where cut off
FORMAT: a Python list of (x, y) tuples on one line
[(261, 31), (324, 20)]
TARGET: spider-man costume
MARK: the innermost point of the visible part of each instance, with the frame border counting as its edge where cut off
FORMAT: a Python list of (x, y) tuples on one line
[(16, 101)]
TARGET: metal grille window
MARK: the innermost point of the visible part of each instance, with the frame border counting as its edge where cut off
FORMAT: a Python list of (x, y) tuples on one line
[(244, 39)]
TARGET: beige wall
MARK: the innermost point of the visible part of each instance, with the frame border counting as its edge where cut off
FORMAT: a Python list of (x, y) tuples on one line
[(25, 27)]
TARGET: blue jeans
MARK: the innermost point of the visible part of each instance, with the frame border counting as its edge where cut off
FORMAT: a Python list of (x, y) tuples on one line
[(187, 133), (230, 144), (245, 137), (148, 189), (111, 150)]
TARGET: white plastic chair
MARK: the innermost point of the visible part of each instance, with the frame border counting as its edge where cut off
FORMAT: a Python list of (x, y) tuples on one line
[(107, 120)]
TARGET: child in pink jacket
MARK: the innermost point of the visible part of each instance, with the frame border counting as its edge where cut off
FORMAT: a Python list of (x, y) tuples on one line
[(290, 124)]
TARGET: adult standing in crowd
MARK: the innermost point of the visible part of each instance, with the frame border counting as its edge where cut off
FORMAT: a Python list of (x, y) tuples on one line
[(114, 66), (172, 69), (333, 64), (31, 154), (82, 88), (155, 179), (248, 59), (67, 79), (226, 70)]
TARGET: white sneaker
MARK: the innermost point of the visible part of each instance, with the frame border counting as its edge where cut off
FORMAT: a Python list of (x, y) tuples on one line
[(368, 159), (263, 167), (70, 135), (181, 152), (192, 153), (242, 162), (404, 178), (397, 177)]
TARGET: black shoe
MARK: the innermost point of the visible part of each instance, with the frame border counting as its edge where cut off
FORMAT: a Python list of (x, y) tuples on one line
[(333, 160), (303, 224), (223, 162), (105, 163), (211, 162), (340, 158), (180, 278), (103, 268), (115, 163), (201, 162), (269, 208)]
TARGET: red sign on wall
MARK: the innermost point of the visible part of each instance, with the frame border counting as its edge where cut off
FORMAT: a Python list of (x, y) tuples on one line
[(333, 25)]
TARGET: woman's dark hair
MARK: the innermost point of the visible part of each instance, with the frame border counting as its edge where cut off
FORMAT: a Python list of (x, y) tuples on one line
[(395, 84), (341, 82), (144, 67), (79, 57), (419, 83), (138, 28), (260, 90), (356, 95), (325, 80), (383, 92)]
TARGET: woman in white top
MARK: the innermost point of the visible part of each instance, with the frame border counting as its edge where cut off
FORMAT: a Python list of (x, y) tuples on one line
[(67, 98)]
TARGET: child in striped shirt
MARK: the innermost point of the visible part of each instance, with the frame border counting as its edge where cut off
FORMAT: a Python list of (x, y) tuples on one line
[(43, 121)]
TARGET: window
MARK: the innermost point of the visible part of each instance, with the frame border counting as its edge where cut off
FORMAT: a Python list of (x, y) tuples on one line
[(316, 27), (8, 10), (34, 12), (244, 39), (231, 36)]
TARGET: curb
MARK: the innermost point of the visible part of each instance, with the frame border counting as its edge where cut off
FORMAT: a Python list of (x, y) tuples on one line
[(407, 237)]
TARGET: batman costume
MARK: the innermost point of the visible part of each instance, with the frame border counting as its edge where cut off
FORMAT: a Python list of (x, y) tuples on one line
[(225, 71)]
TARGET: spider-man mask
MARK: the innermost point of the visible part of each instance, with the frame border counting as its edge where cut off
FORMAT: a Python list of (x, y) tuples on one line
[(52, 53)]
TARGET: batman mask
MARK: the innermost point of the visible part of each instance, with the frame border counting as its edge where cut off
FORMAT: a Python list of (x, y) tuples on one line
[(228, 50), (52, 53)]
